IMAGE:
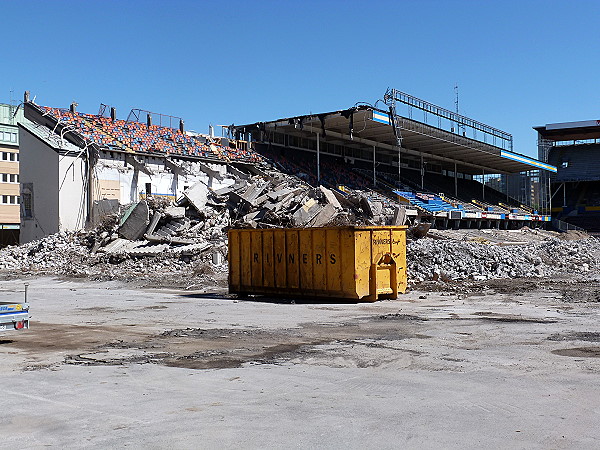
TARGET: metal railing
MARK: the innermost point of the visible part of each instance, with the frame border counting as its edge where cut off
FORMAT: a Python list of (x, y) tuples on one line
[(561, 225), (506, 140)]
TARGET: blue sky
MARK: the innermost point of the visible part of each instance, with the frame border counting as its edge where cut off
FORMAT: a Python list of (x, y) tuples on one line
[(517, 63)]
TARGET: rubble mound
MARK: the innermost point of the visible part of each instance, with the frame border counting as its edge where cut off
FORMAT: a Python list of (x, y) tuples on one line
[(453, 260), (184, 243)]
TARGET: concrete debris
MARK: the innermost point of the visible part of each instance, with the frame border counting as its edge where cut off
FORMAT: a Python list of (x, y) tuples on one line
[(135, 221), (331, 198), (197, 195), (176, 212), (324, 217), (307, 212), (456, 259), (165, 240), (399, 216)]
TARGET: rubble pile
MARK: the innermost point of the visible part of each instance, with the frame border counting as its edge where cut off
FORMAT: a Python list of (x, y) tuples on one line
[(439, 260), (158, 238), (198, 221), (278, 200)]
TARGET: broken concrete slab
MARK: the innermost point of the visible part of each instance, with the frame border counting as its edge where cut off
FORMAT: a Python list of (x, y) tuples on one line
[(176, 212), (253, 192), (210, 172), (168, 239), (137, 164), (260, 200), (135, 222), (330, 197), (143, 249), (197, 195), (256, 215), (114, 246), (376, 208), (224, 190), (103, 208), (237, 203), (191, 248), (399, 216), (306, 212), (344, 202), (365, 205), (176, 168), (154, 222), (285, 202), (324, 216), (237, 173)]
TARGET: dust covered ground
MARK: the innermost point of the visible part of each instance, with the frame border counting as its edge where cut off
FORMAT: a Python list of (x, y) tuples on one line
[(496, 363)]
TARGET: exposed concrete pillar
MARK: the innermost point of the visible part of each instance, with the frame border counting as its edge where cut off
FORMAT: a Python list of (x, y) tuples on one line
[(318, 159), (374, 169), (422, 173), (455, 181), (399, 164), (483, 183)]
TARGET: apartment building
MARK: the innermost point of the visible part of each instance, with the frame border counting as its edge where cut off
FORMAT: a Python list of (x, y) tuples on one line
[(9, 174)]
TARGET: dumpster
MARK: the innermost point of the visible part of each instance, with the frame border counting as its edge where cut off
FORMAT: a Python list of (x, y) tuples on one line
[(357, 263)]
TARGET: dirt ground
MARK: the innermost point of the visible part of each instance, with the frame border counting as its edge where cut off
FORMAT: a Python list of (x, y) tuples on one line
[(509, 363)]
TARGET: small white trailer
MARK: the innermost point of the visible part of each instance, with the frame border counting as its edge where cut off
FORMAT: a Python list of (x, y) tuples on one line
[(14, 316)]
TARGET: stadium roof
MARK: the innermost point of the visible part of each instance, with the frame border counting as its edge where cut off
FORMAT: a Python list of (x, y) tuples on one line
[(570, 131), (365, 127)]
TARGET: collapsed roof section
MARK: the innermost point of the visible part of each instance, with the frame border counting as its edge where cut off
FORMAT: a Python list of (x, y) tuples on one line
[(362, 129)]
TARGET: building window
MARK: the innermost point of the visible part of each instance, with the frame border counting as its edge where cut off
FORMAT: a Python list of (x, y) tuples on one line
[(9, 178), (11, 200), (9, 156)]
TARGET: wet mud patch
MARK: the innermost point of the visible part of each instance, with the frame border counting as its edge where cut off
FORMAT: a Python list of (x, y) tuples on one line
[(217, 348), (223, 360), (576, 336), (398, 316), (512, 318), (579, 352), (581, 293)]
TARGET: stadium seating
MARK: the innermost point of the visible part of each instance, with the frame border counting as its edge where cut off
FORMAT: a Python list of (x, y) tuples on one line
[(576, 163), (428, 202), (125, 135)]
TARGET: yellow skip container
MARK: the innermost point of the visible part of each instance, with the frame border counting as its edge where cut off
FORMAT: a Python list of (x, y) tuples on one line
[(357, 263)]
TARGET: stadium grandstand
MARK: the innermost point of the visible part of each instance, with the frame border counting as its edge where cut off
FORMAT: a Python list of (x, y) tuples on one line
[(438, 165), (572, 194), (144, 138), (436, 168)]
